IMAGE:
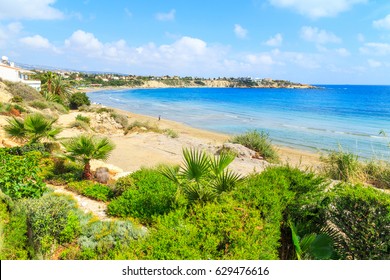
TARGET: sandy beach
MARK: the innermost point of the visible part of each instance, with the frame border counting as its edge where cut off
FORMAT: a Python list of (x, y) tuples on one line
[(148, 149)]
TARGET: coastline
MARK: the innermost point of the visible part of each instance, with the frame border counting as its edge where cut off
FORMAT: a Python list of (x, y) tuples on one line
[(148, 149)]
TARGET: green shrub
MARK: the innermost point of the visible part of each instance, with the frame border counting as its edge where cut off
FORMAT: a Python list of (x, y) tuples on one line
[(343, 166), (78, 99), (259, 142), (39, 104), (22, 150), (92, 190), (360, 217), (104, 239), (17, 99), (142, 126), (283, 195), (171, 133), (19, 175), (51, 220), (229, 230), (377, 173), (123, 184), (152, 194), (58, 171), (121, 119), (79, 125), (13, 230), (82, 118)]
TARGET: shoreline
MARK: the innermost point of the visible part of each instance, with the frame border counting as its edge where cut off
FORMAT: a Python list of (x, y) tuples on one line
[(188, 135)]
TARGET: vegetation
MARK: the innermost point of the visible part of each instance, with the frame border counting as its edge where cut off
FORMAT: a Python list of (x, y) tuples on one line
[(202, 178), (259, 142), (33, 128), (147, 194), (342, 166), (360, 219), (19, 175), (78, 99), (92, 190), (84, 148)]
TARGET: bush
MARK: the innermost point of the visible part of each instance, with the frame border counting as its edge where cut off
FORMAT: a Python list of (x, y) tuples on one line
[(17, 99), (229, 230), (19, 175), (171, 133), (259, 142), (152, 194), (343, 166), (104, 239), (78, 99), (123, 184), (92, 190), (121, 119), (142, 126), (82, 118), (22, 150), (51, 220), (58, 171), (360, 217), (13, 230), (377, 173), (39, 104), (283, 195)]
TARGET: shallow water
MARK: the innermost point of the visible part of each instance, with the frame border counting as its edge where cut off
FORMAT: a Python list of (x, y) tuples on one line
[(322, 119)]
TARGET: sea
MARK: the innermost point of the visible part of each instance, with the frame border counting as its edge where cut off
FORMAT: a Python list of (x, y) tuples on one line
[(351, 118)]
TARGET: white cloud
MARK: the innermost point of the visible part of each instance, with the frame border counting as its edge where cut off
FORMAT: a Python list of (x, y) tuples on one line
[(170, 16), (240, 31), (375, 48), (29, 9), (9, 31), (374, 63), (317, 8), (38, 42), (319, 36), (84, 42), (382, 23), (275, 41)]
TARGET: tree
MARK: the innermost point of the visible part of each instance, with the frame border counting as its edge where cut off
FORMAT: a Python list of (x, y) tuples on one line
[(78, 99), (202, 178), (61, 88), (84, 148), (33, 128)]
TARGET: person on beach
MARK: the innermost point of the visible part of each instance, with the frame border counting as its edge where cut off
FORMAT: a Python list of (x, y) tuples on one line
[(159, 117)]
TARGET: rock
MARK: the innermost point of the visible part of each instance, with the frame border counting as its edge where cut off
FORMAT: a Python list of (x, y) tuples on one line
[(102, 175)]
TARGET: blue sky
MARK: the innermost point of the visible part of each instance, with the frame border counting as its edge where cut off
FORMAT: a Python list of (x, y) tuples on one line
[(308, 41)]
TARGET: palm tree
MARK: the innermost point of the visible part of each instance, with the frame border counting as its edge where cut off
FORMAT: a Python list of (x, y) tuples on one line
[(61, 88), (48, 78), (85, 148), (202, 178), (33, 128)]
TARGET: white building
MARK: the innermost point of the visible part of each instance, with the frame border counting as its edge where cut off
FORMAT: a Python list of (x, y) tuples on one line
[(8, 71)]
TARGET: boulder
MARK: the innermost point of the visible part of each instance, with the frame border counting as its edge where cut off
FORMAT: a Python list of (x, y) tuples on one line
[(102, 175)]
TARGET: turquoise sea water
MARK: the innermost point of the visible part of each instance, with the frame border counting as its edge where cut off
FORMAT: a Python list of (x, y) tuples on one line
[(310, 119)]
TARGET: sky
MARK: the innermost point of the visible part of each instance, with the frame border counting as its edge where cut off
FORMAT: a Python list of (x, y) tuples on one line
[(306, 41)]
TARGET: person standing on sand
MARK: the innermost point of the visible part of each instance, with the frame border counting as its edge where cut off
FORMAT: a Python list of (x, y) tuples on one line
[(159, 117)]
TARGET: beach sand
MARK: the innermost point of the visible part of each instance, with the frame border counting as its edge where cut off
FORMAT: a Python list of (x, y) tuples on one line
[(148, 149)]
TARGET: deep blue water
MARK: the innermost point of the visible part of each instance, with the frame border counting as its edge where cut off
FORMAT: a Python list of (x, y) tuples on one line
[(324, 119)]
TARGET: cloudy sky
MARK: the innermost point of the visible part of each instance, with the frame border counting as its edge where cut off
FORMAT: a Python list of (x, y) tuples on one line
[(309, 41)]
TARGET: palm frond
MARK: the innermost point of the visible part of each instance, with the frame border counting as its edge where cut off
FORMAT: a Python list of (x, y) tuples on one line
[(103, 148), (226, 181), (171, 172), (15, 128), (196, 164), (197, 193), (218, 164)]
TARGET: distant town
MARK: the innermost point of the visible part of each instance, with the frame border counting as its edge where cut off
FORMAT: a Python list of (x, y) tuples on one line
[(78, 79)]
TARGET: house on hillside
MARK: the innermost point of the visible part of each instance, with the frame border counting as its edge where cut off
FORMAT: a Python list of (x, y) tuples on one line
[(8, 71)]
